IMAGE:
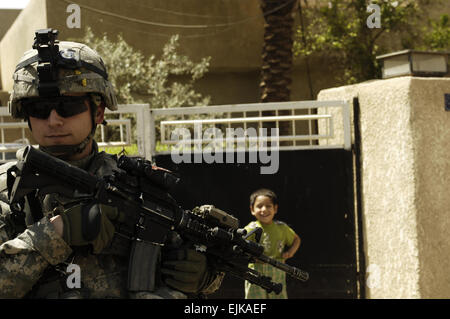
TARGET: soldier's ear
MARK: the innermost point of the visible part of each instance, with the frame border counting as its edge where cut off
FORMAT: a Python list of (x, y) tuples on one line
[(100, 116)]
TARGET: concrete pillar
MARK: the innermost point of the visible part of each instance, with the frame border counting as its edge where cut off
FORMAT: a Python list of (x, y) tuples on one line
[(405, 153)]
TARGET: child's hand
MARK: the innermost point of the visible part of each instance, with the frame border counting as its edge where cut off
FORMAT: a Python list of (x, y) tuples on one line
[(293, 249), (287, 255)]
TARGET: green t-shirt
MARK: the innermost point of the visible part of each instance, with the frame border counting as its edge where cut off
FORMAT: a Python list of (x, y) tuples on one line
[(275, 237)]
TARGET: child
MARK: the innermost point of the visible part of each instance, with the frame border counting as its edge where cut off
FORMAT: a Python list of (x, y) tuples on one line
[(276, 236)]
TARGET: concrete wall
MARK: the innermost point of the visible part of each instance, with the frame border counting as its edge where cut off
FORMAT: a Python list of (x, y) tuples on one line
[(235, 48), (7, 17), (431, 135), (230, 31), (19, 38), (405, 177), (232, 46)]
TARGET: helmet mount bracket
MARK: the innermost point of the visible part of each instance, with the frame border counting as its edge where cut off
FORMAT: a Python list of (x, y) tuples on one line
[(48, 52)]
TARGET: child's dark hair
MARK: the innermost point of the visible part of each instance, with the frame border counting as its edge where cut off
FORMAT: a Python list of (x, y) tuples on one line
[(263, 192)]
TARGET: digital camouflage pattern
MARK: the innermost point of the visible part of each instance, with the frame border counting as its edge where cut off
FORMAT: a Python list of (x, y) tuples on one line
[(24, 258)]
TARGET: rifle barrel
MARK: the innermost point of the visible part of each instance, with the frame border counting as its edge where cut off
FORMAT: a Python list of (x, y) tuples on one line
[(49, 169), (290, 270)]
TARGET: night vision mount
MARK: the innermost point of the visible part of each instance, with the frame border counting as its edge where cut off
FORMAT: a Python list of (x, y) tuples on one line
[(50, 58), (48, 54)]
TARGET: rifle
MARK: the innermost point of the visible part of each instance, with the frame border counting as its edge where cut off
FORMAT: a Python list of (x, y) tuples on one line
[(140, 190)]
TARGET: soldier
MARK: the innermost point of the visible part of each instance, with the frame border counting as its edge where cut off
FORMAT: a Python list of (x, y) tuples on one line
[(62, 89)]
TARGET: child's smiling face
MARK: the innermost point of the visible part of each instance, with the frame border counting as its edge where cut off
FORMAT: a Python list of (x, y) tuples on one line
[(263, 209)]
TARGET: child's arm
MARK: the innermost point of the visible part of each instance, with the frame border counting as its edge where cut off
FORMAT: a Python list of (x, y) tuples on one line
[(293, 249)]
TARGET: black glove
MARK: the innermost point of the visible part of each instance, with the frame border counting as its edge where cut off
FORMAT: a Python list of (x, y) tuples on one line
[(89, 224), (185, 270)]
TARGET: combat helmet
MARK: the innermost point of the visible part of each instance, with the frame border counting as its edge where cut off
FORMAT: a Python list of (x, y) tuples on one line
[(54, 68)]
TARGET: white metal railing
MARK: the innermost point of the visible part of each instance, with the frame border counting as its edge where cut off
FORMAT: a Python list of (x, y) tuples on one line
[(310, 137), (124, 140), (140, 111), (325, 121), (142, 116), (321, 116)]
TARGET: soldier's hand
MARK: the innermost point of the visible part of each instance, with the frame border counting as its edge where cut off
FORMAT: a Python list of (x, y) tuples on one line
[(89, 224), (184, 269), (58, 224)]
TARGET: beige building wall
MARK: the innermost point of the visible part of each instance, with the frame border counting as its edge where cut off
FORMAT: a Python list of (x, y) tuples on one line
[(230, 31), (19, 38), (405, 147), (7, 18), (431, 135)]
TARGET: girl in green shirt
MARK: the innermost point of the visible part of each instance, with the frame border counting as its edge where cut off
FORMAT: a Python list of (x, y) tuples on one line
[(276, 236)]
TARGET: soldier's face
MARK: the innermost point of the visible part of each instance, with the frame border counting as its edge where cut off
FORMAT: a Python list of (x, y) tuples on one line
[(59, 130), (264, 210)]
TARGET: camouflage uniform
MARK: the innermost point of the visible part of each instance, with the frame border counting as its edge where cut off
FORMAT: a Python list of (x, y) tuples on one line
[(33, 263), (33, 257)]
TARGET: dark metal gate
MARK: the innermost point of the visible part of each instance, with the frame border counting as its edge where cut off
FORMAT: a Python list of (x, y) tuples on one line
[(316, 198)]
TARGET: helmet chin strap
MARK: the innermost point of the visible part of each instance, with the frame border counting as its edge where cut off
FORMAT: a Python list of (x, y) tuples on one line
[(67, 151)]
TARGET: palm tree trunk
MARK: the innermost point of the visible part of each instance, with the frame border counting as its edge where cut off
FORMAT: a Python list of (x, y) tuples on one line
[(276, 78)]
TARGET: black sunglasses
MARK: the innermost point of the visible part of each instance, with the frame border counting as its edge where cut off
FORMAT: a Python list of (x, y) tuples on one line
[(65, 106)]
